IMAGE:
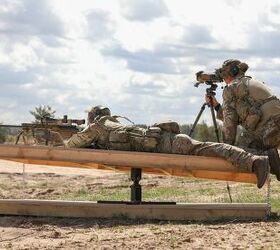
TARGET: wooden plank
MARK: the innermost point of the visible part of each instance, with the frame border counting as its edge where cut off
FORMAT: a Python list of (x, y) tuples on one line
[(195, 211), (204, 174), (117, 158), (179, 165)]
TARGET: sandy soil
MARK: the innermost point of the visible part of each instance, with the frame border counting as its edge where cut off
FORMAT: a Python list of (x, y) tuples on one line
[(61, 233)]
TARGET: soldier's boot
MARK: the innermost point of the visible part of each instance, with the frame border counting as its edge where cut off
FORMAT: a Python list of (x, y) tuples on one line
[(260, 168), (274, 162)]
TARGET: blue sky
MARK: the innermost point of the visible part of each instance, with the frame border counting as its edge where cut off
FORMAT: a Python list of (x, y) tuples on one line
[(137, 57)]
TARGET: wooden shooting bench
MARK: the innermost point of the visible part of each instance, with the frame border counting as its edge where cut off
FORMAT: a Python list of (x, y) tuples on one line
[(136, 163)]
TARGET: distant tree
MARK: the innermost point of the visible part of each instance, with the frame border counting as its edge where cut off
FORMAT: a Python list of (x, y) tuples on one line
[(202, 131), (185, 128), (42, 112), (141, 125), (205, 133), (3, 135)]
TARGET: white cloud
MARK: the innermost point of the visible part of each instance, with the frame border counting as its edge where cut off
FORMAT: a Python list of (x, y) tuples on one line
[(143, 10), (137, 57), (99, 25), (30, 17)]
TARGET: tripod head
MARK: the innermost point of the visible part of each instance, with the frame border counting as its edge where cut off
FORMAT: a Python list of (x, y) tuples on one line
[(211, 91)]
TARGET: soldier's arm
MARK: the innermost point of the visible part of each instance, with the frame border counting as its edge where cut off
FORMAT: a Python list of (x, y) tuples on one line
[(219, 110), (84, 138), (230, 117), (217, 106)]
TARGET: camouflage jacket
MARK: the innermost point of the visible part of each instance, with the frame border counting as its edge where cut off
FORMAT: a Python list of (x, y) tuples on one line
[(108, 133), (95, 134), (248, 103)]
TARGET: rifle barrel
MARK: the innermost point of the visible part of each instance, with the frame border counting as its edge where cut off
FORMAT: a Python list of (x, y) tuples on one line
[(9, 126)]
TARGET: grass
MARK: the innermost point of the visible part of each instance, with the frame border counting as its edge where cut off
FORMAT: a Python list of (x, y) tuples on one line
[(181, 192), (102, 194), (275, 204), (154, 188), (164, 193), (173, 241)]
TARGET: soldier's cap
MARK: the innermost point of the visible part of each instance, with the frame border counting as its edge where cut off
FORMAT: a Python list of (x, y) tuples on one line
[(93, 109), (98, 111), (228, 64)]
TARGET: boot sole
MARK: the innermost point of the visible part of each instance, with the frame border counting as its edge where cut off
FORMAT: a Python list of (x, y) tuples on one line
[(274, 162), (260, 185)]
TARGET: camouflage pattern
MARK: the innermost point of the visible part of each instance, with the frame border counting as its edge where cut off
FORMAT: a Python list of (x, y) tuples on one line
[(108, 133), (241, 159), (95, 134), (252, 105), (263, 138)]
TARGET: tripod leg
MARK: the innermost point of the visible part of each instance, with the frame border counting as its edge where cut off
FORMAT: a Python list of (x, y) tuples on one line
[(218, 140), (18, 136), (215, 123), (197, 118)]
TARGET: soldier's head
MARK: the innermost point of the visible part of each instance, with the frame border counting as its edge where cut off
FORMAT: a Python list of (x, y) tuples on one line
[(232, 68), (97, 112)]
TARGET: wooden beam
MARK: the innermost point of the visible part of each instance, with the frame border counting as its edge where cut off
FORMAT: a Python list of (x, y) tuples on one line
[(204, 174), (171, 164), (196, 211), (117, 158)]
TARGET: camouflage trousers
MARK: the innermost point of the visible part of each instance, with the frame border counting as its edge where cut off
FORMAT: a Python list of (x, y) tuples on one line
[(183, 144), (264, 138)]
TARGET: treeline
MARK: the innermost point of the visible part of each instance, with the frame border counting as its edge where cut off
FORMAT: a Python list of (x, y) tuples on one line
[(3, 135), (202, 132)]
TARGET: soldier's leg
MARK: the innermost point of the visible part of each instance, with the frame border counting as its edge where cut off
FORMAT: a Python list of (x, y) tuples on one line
[(183, 144), (250, 142), (274, 162), (271, 141), (271, 134), (242, 160)]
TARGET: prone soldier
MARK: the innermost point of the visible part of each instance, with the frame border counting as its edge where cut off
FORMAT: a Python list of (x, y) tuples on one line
[(104, 131)]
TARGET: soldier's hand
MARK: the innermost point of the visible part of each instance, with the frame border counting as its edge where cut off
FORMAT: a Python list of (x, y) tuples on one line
[(211, 100)]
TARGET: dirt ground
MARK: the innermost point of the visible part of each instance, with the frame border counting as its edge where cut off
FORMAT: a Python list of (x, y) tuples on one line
[(63, 233)]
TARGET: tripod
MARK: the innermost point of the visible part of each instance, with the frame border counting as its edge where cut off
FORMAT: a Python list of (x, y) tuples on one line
[(210, 92)]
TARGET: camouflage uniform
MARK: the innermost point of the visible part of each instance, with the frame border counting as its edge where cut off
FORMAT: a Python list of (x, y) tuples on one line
[(107, 132), (252, 105)]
